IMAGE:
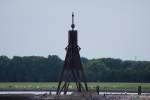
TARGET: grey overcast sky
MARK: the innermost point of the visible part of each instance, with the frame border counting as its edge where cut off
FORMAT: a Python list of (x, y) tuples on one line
[(106, 28)]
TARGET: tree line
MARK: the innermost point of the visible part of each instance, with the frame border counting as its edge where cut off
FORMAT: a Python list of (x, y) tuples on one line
[(47, 69)]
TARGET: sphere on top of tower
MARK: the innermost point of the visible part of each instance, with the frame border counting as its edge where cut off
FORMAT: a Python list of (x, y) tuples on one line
[(72, 25)]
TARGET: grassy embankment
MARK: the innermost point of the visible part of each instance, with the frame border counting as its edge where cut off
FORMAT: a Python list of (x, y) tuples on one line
[(91, 85)]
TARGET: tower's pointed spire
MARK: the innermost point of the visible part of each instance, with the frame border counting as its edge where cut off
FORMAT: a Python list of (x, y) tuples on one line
[(72, 25)]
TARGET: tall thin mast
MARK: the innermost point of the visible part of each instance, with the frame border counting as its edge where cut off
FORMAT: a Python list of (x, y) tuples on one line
[(72, 25)]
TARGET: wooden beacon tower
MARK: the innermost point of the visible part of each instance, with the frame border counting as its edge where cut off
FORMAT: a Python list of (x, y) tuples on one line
[(72, 70)]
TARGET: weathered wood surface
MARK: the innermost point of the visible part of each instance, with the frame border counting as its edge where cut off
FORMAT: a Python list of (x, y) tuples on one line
[(97, 97), (76, 97)]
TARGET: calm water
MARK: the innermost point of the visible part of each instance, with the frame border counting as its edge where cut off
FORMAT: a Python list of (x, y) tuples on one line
[(32, 92), (54, 92)]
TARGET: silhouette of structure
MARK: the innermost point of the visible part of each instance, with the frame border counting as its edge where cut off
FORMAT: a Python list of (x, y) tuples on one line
[(72, 70)]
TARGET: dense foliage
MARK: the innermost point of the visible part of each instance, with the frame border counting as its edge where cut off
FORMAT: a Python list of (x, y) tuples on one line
[(42, 69)]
